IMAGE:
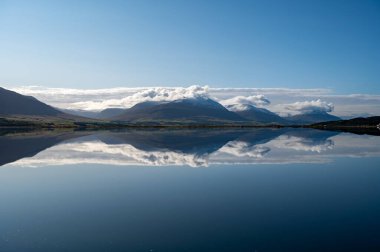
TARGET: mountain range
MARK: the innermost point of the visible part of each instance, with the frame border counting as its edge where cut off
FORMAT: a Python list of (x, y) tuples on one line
[(201, 110)]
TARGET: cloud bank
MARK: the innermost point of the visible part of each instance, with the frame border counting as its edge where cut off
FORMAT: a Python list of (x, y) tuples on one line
[(310, 106), (281, 99), (159, 94), (239, 103)]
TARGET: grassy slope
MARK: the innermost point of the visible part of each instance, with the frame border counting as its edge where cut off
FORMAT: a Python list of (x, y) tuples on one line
[(20, 121), (61, 122)]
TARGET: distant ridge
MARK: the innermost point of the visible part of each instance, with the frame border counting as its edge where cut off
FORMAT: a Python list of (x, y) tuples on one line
[(104, 114), (110, 113), (312, 117), (261, 115)]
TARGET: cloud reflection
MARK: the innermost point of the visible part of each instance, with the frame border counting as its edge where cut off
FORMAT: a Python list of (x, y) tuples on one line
[(195, 148)]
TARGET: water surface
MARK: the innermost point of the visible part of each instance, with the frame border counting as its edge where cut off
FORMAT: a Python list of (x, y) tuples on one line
[(189, 190)]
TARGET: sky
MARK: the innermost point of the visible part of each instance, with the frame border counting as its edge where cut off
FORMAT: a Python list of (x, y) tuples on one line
[(296, 44), (98, 44)]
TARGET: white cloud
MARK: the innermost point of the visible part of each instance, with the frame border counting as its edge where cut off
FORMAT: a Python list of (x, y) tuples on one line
[(310, 106), (239, 103), (98, 99), (159, 94)]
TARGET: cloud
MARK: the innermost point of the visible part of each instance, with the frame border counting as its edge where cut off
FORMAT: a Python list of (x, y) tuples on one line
[(159, 94), (239, 103), (310, 106), (280, 98), (97, 99)]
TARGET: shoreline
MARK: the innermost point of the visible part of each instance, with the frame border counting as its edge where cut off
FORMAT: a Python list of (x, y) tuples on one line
[(116, 125)]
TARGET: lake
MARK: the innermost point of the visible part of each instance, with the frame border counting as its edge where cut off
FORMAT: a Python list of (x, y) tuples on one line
[(189, 190)]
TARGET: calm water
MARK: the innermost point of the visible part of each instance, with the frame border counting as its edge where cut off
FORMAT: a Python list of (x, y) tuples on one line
[(192, 190)]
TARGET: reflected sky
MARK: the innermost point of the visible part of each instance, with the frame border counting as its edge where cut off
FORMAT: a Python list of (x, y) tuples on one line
[(194, 148), (263, 190)]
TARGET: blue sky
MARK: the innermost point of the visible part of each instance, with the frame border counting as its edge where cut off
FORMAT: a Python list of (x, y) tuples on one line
[(262, 44)]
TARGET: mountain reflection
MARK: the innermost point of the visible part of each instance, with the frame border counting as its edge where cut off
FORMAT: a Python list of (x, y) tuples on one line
[(182, 147)]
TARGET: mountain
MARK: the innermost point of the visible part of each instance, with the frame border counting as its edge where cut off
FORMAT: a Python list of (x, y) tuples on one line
[(104, 114), (200, 110), (312, 117), (12, 103), (261, 115), (81, 113), (110, 112)]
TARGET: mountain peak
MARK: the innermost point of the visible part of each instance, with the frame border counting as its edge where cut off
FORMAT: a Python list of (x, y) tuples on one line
[(195, 109)]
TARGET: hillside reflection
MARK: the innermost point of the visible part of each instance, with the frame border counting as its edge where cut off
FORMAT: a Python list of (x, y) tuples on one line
[(182, 147)]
